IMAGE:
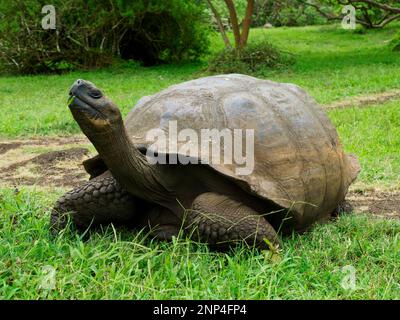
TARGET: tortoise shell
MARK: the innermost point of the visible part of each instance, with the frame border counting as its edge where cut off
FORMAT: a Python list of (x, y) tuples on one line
[(299, 162)]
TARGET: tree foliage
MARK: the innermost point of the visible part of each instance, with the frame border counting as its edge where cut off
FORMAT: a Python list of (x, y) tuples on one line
[(369, 13), (286, 13), (275, 12)]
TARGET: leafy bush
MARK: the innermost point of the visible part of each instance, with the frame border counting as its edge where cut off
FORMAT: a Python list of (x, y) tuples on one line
[(255, 58), (26, 47), (167, 31), (92, 33)]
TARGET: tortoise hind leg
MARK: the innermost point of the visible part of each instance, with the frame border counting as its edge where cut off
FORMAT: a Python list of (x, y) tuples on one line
[(162, 223), (100, 200), (221, 221)]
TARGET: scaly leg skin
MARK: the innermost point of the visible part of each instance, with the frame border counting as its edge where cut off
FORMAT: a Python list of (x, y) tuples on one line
[(100, 200), (221, 222)]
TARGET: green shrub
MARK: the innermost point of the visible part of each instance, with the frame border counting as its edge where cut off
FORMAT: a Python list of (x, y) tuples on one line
[(25, 47), (167, 31), (92, 33), (255, 58)]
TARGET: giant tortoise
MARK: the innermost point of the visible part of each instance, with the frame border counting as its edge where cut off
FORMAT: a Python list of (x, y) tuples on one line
[(299, 175)]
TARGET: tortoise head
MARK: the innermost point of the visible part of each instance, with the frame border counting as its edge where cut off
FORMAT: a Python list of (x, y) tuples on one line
[(101, 121), (94, 112)]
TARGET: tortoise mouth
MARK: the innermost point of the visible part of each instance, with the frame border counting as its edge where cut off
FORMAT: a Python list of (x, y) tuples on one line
[(80, 104)]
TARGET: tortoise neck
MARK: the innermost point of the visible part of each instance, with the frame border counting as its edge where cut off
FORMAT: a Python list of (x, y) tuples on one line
[(130, 167)]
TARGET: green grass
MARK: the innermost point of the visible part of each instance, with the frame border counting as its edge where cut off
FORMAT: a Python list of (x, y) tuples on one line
[(114, 264), (331, 64), (37, 105), (373, 134)]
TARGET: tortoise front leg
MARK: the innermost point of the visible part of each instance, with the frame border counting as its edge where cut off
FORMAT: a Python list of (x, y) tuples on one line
[(221, 221), (100, 200)]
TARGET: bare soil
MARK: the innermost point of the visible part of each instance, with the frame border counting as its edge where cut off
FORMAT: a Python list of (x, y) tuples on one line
[(46, 162), (57, 162), (382, 203), (4, 147), (365, 100)]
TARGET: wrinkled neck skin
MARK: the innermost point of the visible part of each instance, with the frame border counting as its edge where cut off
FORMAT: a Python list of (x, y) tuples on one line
[(130, 167)]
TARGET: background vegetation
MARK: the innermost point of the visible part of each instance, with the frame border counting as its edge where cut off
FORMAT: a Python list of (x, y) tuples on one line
[(92, 33)]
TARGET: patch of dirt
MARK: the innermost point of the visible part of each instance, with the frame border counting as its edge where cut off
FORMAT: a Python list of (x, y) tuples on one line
[(4, 147), (365, 101), (380, 203), (59, 166)]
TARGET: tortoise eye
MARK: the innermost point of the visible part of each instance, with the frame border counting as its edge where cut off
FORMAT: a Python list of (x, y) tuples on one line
[(95, 93)]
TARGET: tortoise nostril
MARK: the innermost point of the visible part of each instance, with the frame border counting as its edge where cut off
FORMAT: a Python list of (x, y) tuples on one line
[(76, 87)]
